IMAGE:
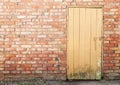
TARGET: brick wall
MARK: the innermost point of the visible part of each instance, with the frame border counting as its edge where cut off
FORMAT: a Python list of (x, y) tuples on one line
[(33, 38)]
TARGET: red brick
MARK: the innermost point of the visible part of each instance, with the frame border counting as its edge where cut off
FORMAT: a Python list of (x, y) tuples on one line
[(52, 68), (26, 65), (47, 58), (107, 65), (10, 69), (33, 31)]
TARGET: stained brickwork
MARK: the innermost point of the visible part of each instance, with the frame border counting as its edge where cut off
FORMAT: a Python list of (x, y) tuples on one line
[(33, 38)]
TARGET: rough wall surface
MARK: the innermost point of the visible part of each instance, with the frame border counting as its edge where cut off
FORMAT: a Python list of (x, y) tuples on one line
[(33, 38)]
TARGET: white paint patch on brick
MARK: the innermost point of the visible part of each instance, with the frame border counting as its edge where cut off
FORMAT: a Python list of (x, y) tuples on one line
[(1, 3), (15, 0), (26, 72), (20, 17), (58, 0), (37, 46), (1, 69), (87, 0), (6, 71), (41, 36), (26, 46), (98, 0), (25, 33), (9, 62), (114, 10), (36, 71), (4, 26), (41, 49), (31, 62), (47, 26), (52, 49), (31, 16)]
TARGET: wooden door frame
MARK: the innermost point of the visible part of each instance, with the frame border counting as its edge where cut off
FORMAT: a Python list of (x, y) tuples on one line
[(102, 32)]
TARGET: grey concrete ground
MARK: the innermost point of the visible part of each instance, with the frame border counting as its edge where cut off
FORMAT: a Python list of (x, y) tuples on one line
[(43, 82)]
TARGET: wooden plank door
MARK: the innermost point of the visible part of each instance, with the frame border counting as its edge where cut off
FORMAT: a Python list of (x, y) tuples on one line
[(84, 45)]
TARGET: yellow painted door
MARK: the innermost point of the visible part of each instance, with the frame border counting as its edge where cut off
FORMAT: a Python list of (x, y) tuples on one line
[(84, 44)]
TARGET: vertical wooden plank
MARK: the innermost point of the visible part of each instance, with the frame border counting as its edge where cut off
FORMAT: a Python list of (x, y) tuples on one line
[(87, 44), (81, 44), (84, 45), (70, 44), (76, 43), (93, 43), (99, 32)]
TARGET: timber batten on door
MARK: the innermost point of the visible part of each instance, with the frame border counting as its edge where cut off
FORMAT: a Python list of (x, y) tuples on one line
[(84, 44)]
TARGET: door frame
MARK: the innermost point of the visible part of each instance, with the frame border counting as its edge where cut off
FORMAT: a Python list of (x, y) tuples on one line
[(102, 30)]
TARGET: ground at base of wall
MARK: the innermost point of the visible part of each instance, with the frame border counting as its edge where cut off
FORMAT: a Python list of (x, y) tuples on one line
[(59, 82)]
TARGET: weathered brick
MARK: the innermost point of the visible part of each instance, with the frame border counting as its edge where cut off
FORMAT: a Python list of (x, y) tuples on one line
[(38, 72), (52, 68), (58, 0), (114, 48), (33, 36), (10, 69), (1, 69), (26, 72), (15, 0), (118, 51)]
